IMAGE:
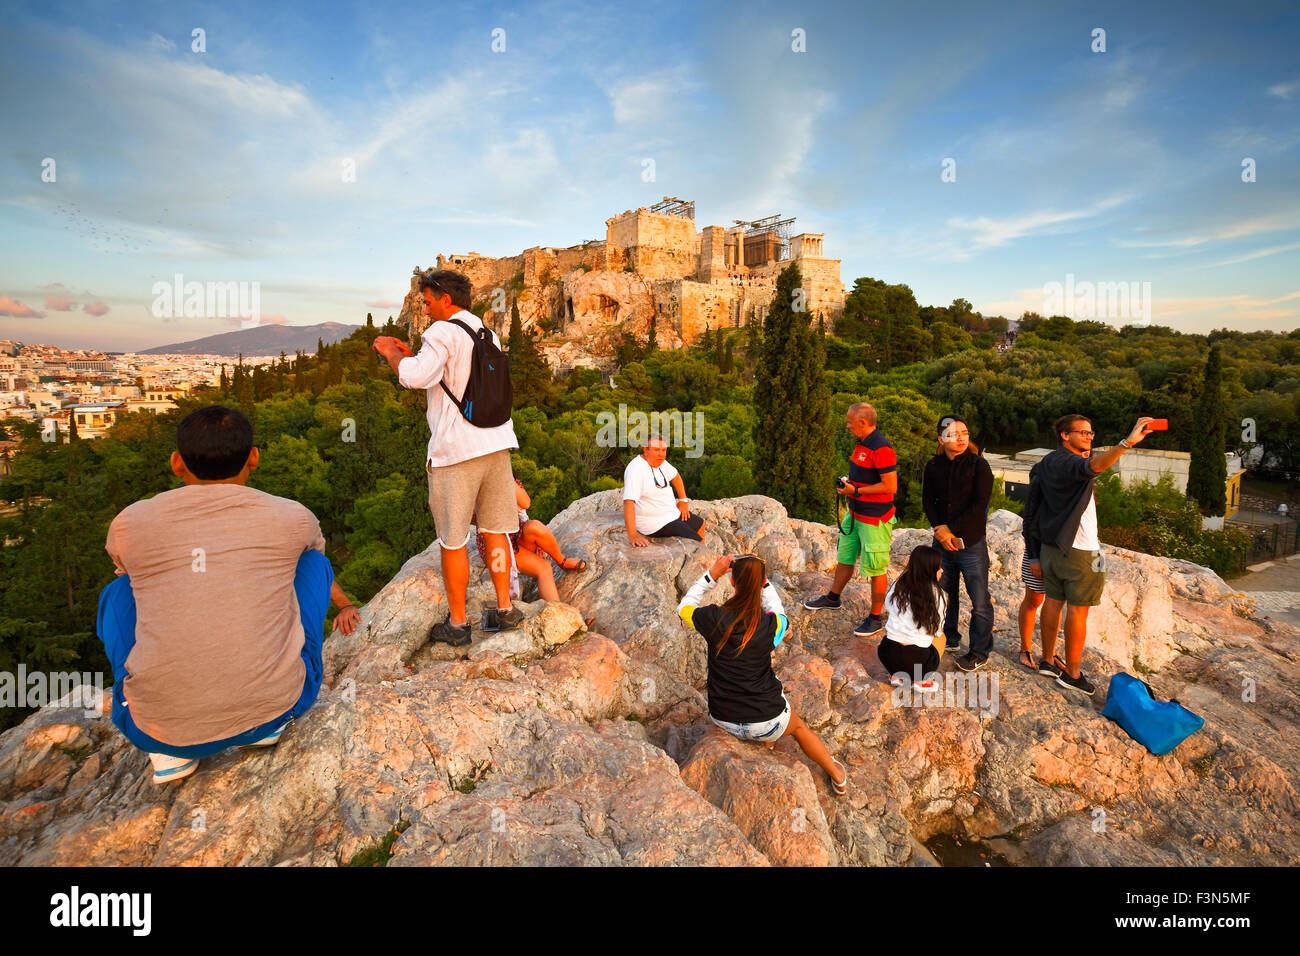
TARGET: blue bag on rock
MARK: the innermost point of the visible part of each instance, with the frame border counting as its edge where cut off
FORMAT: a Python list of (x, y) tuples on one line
[(1160, 726)]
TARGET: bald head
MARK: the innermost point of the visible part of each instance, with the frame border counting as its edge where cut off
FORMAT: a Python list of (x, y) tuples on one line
[(863, 412)]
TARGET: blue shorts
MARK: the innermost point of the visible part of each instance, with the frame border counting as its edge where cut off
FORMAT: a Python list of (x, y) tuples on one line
[(764, 730), (116, 628)]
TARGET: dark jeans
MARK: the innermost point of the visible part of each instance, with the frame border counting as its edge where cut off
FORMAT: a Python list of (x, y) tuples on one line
[(677, 528), (116, 627), (972, 562)]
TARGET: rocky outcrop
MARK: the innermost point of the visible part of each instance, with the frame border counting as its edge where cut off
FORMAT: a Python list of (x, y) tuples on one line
[(562, 744)]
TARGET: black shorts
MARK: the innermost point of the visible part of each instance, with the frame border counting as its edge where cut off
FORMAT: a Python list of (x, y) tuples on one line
[(690, 528)]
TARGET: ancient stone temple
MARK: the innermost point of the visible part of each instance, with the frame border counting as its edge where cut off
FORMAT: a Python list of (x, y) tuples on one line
[(652, 262)]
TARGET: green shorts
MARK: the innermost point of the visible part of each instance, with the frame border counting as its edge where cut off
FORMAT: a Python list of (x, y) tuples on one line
[(870, 541), (1076, 578)]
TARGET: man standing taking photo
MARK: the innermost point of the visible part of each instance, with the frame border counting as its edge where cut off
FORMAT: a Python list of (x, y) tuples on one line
[(468, 466), (956, 487), (869, 522), (1069, 559)]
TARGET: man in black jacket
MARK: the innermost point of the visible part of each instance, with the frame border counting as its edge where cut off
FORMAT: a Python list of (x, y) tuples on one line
[(955, 489), (1062, 525)]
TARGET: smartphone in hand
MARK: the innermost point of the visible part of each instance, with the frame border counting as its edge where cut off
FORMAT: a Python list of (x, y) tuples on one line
[(1158, 425)]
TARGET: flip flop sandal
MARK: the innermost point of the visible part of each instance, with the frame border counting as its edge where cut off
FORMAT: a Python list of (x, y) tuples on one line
[(840, 789), (1027, 660), (580, 566)]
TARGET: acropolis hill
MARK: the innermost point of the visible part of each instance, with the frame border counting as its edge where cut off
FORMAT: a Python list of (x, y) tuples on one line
[(652, 262)]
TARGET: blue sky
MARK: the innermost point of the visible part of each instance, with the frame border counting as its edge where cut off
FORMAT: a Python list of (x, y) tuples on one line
[(226, 165)]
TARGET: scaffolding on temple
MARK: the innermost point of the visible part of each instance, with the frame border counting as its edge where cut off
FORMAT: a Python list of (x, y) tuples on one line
[(776, 226), (672, 206)]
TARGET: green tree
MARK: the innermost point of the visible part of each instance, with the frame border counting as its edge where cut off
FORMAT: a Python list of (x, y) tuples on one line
[(792, 432), (530, 375), (1207, 473)]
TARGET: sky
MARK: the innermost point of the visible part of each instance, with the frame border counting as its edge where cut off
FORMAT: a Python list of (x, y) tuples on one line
[(968, 150)]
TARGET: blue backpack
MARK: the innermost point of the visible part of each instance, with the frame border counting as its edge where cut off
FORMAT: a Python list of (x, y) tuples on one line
[(1160, 726)]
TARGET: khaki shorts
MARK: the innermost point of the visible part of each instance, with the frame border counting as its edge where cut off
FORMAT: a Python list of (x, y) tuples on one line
[(1075, 578), (484, 484)]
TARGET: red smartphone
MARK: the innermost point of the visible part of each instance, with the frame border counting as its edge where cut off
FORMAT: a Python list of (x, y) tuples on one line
[(1158, 425)]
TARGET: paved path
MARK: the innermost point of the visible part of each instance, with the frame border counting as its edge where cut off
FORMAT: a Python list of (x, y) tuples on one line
[(1275, 589)]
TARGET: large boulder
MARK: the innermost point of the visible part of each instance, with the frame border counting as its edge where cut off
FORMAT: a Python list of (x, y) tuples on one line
[(560, 743)]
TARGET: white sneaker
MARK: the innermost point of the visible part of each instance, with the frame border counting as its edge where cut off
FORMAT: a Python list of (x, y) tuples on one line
[(270, 740), (167, 768)]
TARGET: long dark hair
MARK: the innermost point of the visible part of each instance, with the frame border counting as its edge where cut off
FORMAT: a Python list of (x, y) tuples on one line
[(744, 609), (917, 588)]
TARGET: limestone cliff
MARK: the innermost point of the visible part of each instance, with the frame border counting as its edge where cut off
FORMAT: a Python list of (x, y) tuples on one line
[(558, 745)]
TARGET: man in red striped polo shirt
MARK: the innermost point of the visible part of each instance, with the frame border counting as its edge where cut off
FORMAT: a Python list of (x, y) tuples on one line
[(869, 522)]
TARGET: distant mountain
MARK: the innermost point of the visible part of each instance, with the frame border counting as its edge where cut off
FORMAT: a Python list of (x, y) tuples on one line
[(260, 340)]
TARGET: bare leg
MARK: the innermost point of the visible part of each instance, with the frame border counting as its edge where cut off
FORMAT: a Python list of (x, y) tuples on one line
[(535, 536), (1028, 611), (455, 580), (812, 746), (498, 551), (1076, 630), (534, 565), (842, 574), (1051, 623), (879, 587)]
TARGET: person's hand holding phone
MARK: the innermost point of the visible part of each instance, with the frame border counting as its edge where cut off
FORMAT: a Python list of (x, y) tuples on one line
[(1141, 430), (720, 567)]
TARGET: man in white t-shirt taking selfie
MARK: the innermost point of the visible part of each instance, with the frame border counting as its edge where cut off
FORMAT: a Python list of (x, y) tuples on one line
[(654, 498)]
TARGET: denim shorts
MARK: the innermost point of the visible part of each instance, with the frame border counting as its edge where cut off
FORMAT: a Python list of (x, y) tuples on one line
[(764, 730)]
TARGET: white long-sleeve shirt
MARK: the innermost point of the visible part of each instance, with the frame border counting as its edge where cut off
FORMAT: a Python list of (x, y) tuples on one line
[(444, 355), (899, 626), (771, 604)]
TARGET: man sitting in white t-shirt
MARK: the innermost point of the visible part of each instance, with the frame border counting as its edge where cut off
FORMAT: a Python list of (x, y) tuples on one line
[(654, 498)]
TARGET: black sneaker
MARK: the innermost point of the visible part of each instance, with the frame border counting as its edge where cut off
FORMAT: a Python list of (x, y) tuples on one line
[(495, 619), (1051, 668), (827, 600), (1080, 683), (871, 625), (971, 662), (448, 633), (954, 648)]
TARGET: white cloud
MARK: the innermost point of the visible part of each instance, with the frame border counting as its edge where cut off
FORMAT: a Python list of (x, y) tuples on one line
[(1284, 90)]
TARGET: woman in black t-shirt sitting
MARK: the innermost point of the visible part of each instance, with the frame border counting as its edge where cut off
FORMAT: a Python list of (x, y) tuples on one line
[(745, 696)]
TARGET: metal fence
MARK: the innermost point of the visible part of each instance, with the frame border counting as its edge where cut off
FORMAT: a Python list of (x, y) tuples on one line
[(1269, 538)]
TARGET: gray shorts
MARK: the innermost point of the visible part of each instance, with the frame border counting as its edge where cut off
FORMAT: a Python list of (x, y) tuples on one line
[(484, 484)]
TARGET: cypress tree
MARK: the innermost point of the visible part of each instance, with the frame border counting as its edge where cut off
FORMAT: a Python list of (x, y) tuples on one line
[(530, 375), (792, 436), (652, 337), (225, 380), (1207, 474)]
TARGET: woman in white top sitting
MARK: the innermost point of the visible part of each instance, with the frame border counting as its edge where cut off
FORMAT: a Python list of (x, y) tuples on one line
[(914, 643)]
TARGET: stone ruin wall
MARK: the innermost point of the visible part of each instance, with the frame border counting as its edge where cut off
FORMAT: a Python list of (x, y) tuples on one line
[(657, 246), (649, 264)]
